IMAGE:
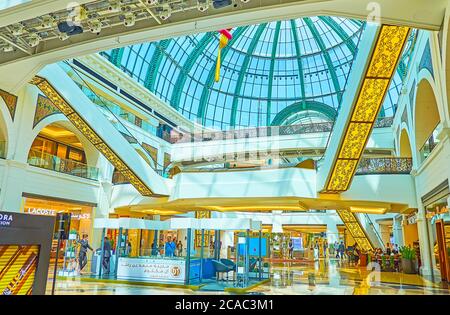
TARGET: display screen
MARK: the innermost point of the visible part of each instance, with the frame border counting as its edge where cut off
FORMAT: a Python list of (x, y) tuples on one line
[(254, 247), (18, 266)]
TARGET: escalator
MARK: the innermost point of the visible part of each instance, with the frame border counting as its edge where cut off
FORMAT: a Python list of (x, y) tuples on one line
[(361, 229), (108, 135), (371, 75)]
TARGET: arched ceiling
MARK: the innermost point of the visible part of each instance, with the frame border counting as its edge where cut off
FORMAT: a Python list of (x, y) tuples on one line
[(266, 69)]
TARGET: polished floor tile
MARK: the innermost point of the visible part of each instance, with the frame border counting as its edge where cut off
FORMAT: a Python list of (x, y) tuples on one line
[(322, 277)]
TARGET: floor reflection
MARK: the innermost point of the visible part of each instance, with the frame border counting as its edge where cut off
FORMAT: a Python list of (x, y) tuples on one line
[(330, 277)]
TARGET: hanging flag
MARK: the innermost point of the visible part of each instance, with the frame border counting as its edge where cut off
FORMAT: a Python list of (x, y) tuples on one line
[(225, 37)]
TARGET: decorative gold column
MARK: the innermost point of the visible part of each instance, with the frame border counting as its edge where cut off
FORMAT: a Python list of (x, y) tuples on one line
[(373, 89)]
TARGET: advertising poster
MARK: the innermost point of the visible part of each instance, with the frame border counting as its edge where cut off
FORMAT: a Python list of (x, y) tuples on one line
[(297, 243), (18, 265)]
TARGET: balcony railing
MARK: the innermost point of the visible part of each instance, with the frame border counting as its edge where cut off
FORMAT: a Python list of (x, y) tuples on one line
[(2, 149), (384, 166), (176, 137), (429, 145), (54, 163)]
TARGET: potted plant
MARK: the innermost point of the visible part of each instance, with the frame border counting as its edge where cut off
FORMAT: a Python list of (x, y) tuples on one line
[(408, 255)]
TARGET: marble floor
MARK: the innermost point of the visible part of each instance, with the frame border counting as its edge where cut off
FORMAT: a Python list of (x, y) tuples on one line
[(329, 277)]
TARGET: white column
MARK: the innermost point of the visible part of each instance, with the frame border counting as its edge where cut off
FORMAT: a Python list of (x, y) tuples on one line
[(277, 224), (398, 231), (426, 245), (227, 238), (332, 233), (12, 185)]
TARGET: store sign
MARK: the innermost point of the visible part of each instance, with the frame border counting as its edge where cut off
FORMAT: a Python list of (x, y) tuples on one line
[(52, 212), (412, 219), (166, 270), (438, 211), (5, 219)]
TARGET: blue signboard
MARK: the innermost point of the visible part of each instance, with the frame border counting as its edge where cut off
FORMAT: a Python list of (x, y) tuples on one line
[(254, 247)]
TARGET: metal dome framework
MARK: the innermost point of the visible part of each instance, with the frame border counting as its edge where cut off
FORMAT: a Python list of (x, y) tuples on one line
[(267, 69)]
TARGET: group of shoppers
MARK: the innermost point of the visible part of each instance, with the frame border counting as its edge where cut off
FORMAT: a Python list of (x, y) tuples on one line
[(82, 254)]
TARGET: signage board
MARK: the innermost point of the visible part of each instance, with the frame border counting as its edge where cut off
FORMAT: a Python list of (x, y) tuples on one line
[(152, 269)]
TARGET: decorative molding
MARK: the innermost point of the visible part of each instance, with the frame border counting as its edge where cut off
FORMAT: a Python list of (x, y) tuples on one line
[(425, 61), (412, 94), (44, 108), (10, 101)]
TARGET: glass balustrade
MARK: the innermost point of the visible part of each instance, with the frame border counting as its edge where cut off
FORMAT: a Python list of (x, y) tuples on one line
[(66, 166), (429, 145)]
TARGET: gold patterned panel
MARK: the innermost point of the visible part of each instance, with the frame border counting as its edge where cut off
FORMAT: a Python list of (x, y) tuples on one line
[(112, 157), (388, 49), (354, 227), (84, 128), (54, 97), (382, 64), (342, 172), (346, 215), (136, 182), (10, 101), (44, 108), (372, 94), (354, 141)]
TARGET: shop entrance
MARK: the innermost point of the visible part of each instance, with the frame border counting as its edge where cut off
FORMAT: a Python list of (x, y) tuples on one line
[(80, 213), (443, 249)]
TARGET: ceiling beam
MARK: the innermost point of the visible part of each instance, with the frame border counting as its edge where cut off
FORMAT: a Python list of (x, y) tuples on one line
[(187, 67), (243, 71), (272, 66)]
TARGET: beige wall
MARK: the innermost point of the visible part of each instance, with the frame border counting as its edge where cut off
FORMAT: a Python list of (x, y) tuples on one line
[(411, 234)]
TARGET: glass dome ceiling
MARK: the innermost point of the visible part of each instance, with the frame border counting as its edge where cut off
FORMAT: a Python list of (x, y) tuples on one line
[(277, 73)]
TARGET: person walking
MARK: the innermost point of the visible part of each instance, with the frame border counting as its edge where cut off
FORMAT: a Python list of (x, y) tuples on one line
[(291, 249), (82, 255), (341, 250), (170, 247), (325, 247), (316, 251), (106, 254)]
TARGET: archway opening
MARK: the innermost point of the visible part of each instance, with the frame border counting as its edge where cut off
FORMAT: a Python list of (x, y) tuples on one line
[(405, 145), (426, 119), (59, 149)]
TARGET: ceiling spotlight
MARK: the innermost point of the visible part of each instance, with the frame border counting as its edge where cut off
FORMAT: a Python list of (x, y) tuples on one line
[(47, 22), (129, 20), (63, 36), (165, 12), (114, 6), (95, 27), (8, 48), (34, 40), (245, 1), (202, 5), (218, 4), (152, 2), (17, 29)]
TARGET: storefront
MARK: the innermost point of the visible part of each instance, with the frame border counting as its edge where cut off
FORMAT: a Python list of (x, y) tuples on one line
[(436, 207), (80, 213)]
